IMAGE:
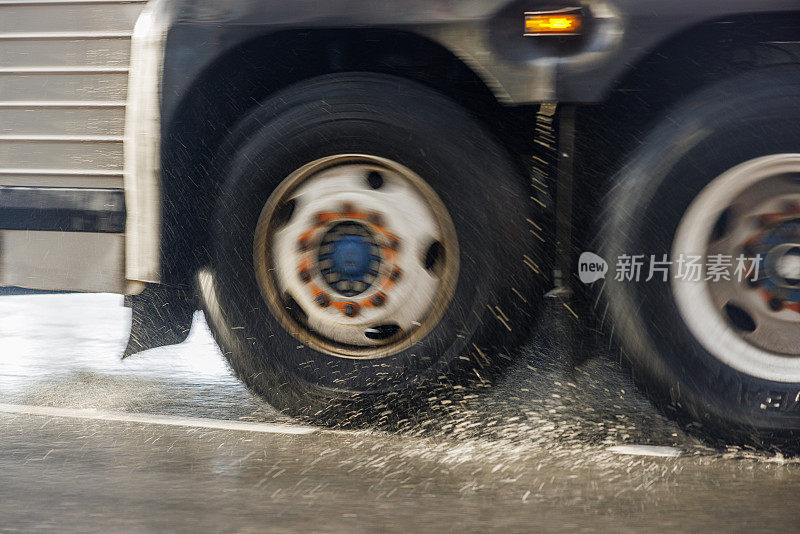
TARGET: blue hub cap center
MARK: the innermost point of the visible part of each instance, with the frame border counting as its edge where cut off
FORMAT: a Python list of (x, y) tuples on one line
[(349, 258)]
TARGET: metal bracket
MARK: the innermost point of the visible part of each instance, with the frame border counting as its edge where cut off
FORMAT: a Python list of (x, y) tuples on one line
[(552, 181), (564, 197)]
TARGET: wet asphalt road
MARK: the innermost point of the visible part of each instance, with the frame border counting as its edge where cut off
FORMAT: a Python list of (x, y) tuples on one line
[(539, 452)]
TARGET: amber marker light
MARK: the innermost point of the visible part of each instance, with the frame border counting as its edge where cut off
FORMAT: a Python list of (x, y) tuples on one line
[(560, 22)]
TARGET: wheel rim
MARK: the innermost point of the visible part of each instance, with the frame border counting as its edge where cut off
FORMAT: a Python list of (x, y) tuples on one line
[(752, 211), (356, 256)]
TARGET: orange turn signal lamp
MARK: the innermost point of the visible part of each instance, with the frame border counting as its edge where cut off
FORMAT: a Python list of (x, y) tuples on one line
[(560, 22)]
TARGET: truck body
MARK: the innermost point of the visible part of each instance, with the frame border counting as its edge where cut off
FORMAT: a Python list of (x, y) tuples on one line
[(87, 132)]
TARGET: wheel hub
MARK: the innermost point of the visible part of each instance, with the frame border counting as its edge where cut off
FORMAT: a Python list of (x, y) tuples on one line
[(355, 256), (778, 247), (349, 258)]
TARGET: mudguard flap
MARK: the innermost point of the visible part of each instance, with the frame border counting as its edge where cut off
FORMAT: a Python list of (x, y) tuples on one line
[(159, 316)]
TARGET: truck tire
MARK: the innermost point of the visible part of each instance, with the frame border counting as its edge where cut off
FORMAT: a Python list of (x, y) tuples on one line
[(717, 178), (369, 243)]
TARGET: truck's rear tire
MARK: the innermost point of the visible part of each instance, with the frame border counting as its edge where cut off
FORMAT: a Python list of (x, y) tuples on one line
[(718, 176), (369, 240)]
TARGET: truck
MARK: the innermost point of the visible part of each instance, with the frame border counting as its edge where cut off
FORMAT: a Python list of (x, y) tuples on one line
[(370, 199)]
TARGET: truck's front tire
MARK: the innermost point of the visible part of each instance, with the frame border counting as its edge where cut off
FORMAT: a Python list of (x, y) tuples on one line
[(369, 239), (716, 180)]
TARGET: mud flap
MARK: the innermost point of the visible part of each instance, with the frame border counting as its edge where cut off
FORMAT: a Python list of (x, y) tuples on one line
[(159, 316)]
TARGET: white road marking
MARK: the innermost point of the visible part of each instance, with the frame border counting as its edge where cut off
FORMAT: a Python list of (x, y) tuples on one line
[(150, 419), (646, 450)]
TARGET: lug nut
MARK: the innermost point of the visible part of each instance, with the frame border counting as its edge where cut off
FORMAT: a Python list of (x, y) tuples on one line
[(396, 274), (322, 300), (376, 218), (379, 300), (775, 304), (305, 277), (350, 309)]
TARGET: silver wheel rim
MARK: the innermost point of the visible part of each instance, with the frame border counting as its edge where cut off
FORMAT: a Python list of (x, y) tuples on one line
[(356, 256), (751, 210)]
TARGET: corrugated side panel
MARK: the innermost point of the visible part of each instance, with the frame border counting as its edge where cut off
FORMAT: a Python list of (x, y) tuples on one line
[(63, 83)]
